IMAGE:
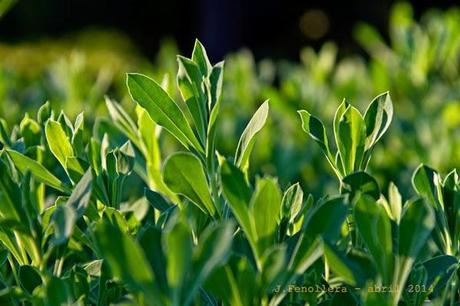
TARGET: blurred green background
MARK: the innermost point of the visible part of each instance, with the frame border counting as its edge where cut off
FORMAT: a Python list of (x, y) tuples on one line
[(415, 58)]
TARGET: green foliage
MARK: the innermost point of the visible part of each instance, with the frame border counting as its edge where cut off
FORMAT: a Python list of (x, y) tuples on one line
[(162, 109), (151, 208), (355, 135), (184, 175)]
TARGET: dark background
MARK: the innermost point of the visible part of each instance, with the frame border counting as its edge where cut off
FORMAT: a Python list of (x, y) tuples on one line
[(269, 28)]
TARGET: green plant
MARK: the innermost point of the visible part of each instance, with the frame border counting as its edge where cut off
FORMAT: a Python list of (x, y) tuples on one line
[(102, 217), (392, 234), (355, 135)]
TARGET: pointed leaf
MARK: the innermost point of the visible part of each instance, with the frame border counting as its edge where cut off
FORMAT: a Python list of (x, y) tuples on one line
[(58, 142), (265, 206), (292, 202), (200, 57), (157, 200), (416, 224), (315, 128), (375, 228), (212, 251), (183, 174), (126, 260), (238, 195), (81, 194), (423, 181), (247, 139), (378, 117), (163, 110), (64, 218), (216, 80), (351, 139), (177, 245), (24, 163), (190, 83), (121, 119), (395, 200), (323, 223)]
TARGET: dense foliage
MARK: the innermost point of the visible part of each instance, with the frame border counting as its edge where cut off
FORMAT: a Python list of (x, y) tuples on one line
[(175, 196)]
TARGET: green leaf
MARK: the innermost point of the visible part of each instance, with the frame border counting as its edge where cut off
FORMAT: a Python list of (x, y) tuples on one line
[(114, 217), (200, 57), (341, 265), (150, 241), (245, 276), (30, 131), (58, 293), (247, 139), (163, 110), (62, 149), (149, 133), (65, 123), (94, 155), (10, 196), (177, 245), (4, 137), (375, 228), (122, 119), (216, 79), (439, 271), (395, 201), (183, 174), (78, 136), (326, 219), (212, 251), (58, 142), (74, 167), (156, 200), (315, 128), (451, 181), (361, 182), (423, 181), (323, 223), (24, 163), (222, 284), (190, 82), (125, 158), (238, 195), (265, 207), (274, 262), (292, 202), (29, 278), (44, 113), (3, 257), (126, 260), (351, 139), (416, 224), (338, 115), (64, 218), (378, 117), (81, 194)]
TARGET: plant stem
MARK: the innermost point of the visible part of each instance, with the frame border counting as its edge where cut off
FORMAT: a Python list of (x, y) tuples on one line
[(13, 269)]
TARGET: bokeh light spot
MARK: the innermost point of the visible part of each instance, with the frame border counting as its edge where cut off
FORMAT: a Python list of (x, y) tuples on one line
[(314, 24)]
